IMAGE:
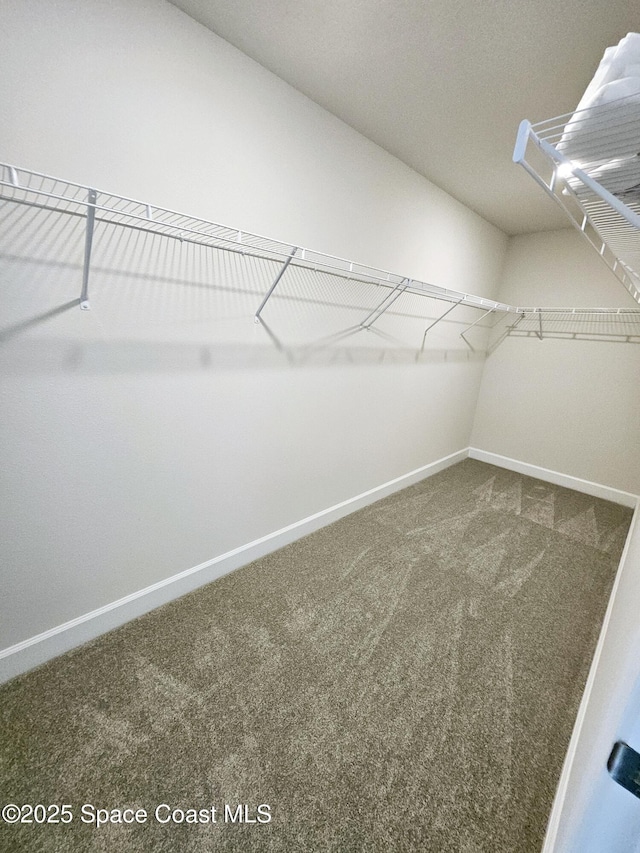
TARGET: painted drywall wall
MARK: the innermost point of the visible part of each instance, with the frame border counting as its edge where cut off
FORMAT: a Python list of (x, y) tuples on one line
[(592, 813), (139, 99), (163, 427), (570, 401)]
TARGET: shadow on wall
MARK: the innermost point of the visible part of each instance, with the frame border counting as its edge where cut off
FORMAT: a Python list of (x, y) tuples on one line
[(161, 302), (59, 356), (158, 302)]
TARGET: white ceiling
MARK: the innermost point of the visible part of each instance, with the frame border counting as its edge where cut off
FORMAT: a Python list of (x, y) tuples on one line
[(441, 84)]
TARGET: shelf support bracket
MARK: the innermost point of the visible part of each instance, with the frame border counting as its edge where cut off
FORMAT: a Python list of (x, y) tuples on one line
[(275, 284), (481, 317), (88, 242), (437, 320), (540, 323), (387, 302), (624, 767), (517, 322)]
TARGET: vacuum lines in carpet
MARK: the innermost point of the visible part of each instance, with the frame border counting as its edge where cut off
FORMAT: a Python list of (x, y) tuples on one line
[(405, 679)]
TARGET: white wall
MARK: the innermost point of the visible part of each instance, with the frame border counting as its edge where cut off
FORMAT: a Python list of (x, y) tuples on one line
[(592, 813), (565, 403), (571, 404), (163, 427)]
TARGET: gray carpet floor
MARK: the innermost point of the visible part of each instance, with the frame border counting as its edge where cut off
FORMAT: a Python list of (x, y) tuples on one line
[(405, 679)]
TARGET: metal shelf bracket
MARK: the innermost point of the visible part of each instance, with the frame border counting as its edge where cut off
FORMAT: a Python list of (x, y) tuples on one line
[(481, 317), (437, 320), (275, 284), (92, 197), (387, 302)]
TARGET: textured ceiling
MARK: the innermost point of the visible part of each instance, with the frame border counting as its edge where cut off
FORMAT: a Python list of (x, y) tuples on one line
[(441, 84)]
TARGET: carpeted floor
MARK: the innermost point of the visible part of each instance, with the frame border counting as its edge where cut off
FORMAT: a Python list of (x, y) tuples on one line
[(403, 680)]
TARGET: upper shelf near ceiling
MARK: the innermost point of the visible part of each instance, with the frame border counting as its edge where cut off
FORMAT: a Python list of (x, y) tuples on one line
[(589, 161)]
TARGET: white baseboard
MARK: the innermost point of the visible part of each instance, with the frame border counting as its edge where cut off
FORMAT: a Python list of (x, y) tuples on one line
[(36, 650), (559, 814), (596, 490), (570, 819)]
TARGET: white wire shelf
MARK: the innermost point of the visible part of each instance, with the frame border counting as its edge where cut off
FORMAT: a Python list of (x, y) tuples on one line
[(20, 186), (589, 162)]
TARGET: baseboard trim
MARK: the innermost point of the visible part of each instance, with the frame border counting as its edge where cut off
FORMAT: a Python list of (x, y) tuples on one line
[(596, 490), (607, 493), (43, 647), (557, 811)]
